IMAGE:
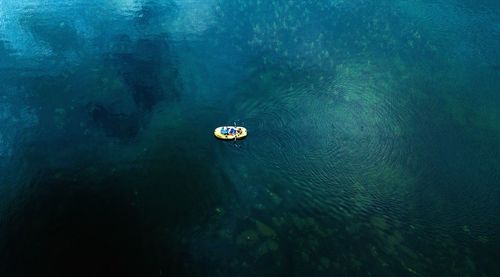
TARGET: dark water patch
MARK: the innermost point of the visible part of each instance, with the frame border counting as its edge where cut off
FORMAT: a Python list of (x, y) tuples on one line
[(116, 96), (153, 12), (496, 68), (147, 68), (103, 220), (57, 32), (453, 157), (116, 124), (6, 53), (73, 230), (453, 180)]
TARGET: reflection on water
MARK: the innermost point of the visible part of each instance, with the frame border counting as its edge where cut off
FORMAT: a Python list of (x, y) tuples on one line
[(373, 146)]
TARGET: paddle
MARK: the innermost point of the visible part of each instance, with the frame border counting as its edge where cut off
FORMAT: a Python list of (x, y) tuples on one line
[(234, 123)]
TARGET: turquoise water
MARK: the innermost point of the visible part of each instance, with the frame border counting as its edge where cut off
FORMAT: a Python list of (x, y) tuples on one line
[(373, 147)]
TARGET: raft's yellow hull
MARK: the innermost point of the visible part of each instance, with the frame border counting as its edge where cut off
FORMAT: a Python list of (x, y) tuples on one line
[(219, 135)]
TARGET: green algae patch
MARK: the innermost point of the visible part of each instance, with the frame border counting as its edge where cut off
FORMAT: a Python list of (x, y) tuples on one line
[(59, 117), (305, 256), (267, 247), (486, 118), (483, 239), (219, 211), (276, 199), (272, 245), (379, 222), (248, 237), (456, 111), (325, 262), (225, 233), (278, 221), (299, 223), (466, 229), (265, 230), (61, 111)]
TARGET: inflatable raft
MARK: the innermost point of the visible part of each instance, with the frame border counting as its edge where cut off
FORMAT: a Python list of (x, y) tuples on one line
[(230, 132)]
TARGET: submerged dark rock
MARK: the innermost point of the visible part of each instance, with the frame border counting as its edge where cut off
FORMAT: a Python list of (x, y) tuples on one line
[(147, 69), (114, 124)]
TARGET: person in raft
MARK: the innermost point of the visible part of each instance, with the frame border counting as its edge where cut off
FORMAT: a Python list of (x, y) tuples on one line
[(231, 131), (236, 132), (228, 131)]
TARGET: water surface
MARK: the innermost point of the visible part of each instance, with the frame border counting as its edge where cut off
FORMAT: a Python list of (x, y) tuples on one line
[(373, 148)]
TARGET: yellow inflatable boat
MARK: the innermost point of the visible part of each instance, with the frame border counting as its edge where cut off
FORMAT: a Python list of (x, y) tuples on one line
[(230, 132)]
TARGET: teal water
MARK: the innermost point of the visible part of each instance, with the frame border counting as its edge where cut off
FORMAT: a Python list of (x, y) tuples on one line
[(373, 147)]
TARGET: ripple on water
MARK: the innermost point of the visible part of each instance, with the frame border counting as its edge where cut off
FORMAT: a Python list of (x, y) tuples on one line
[(339, 145)]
